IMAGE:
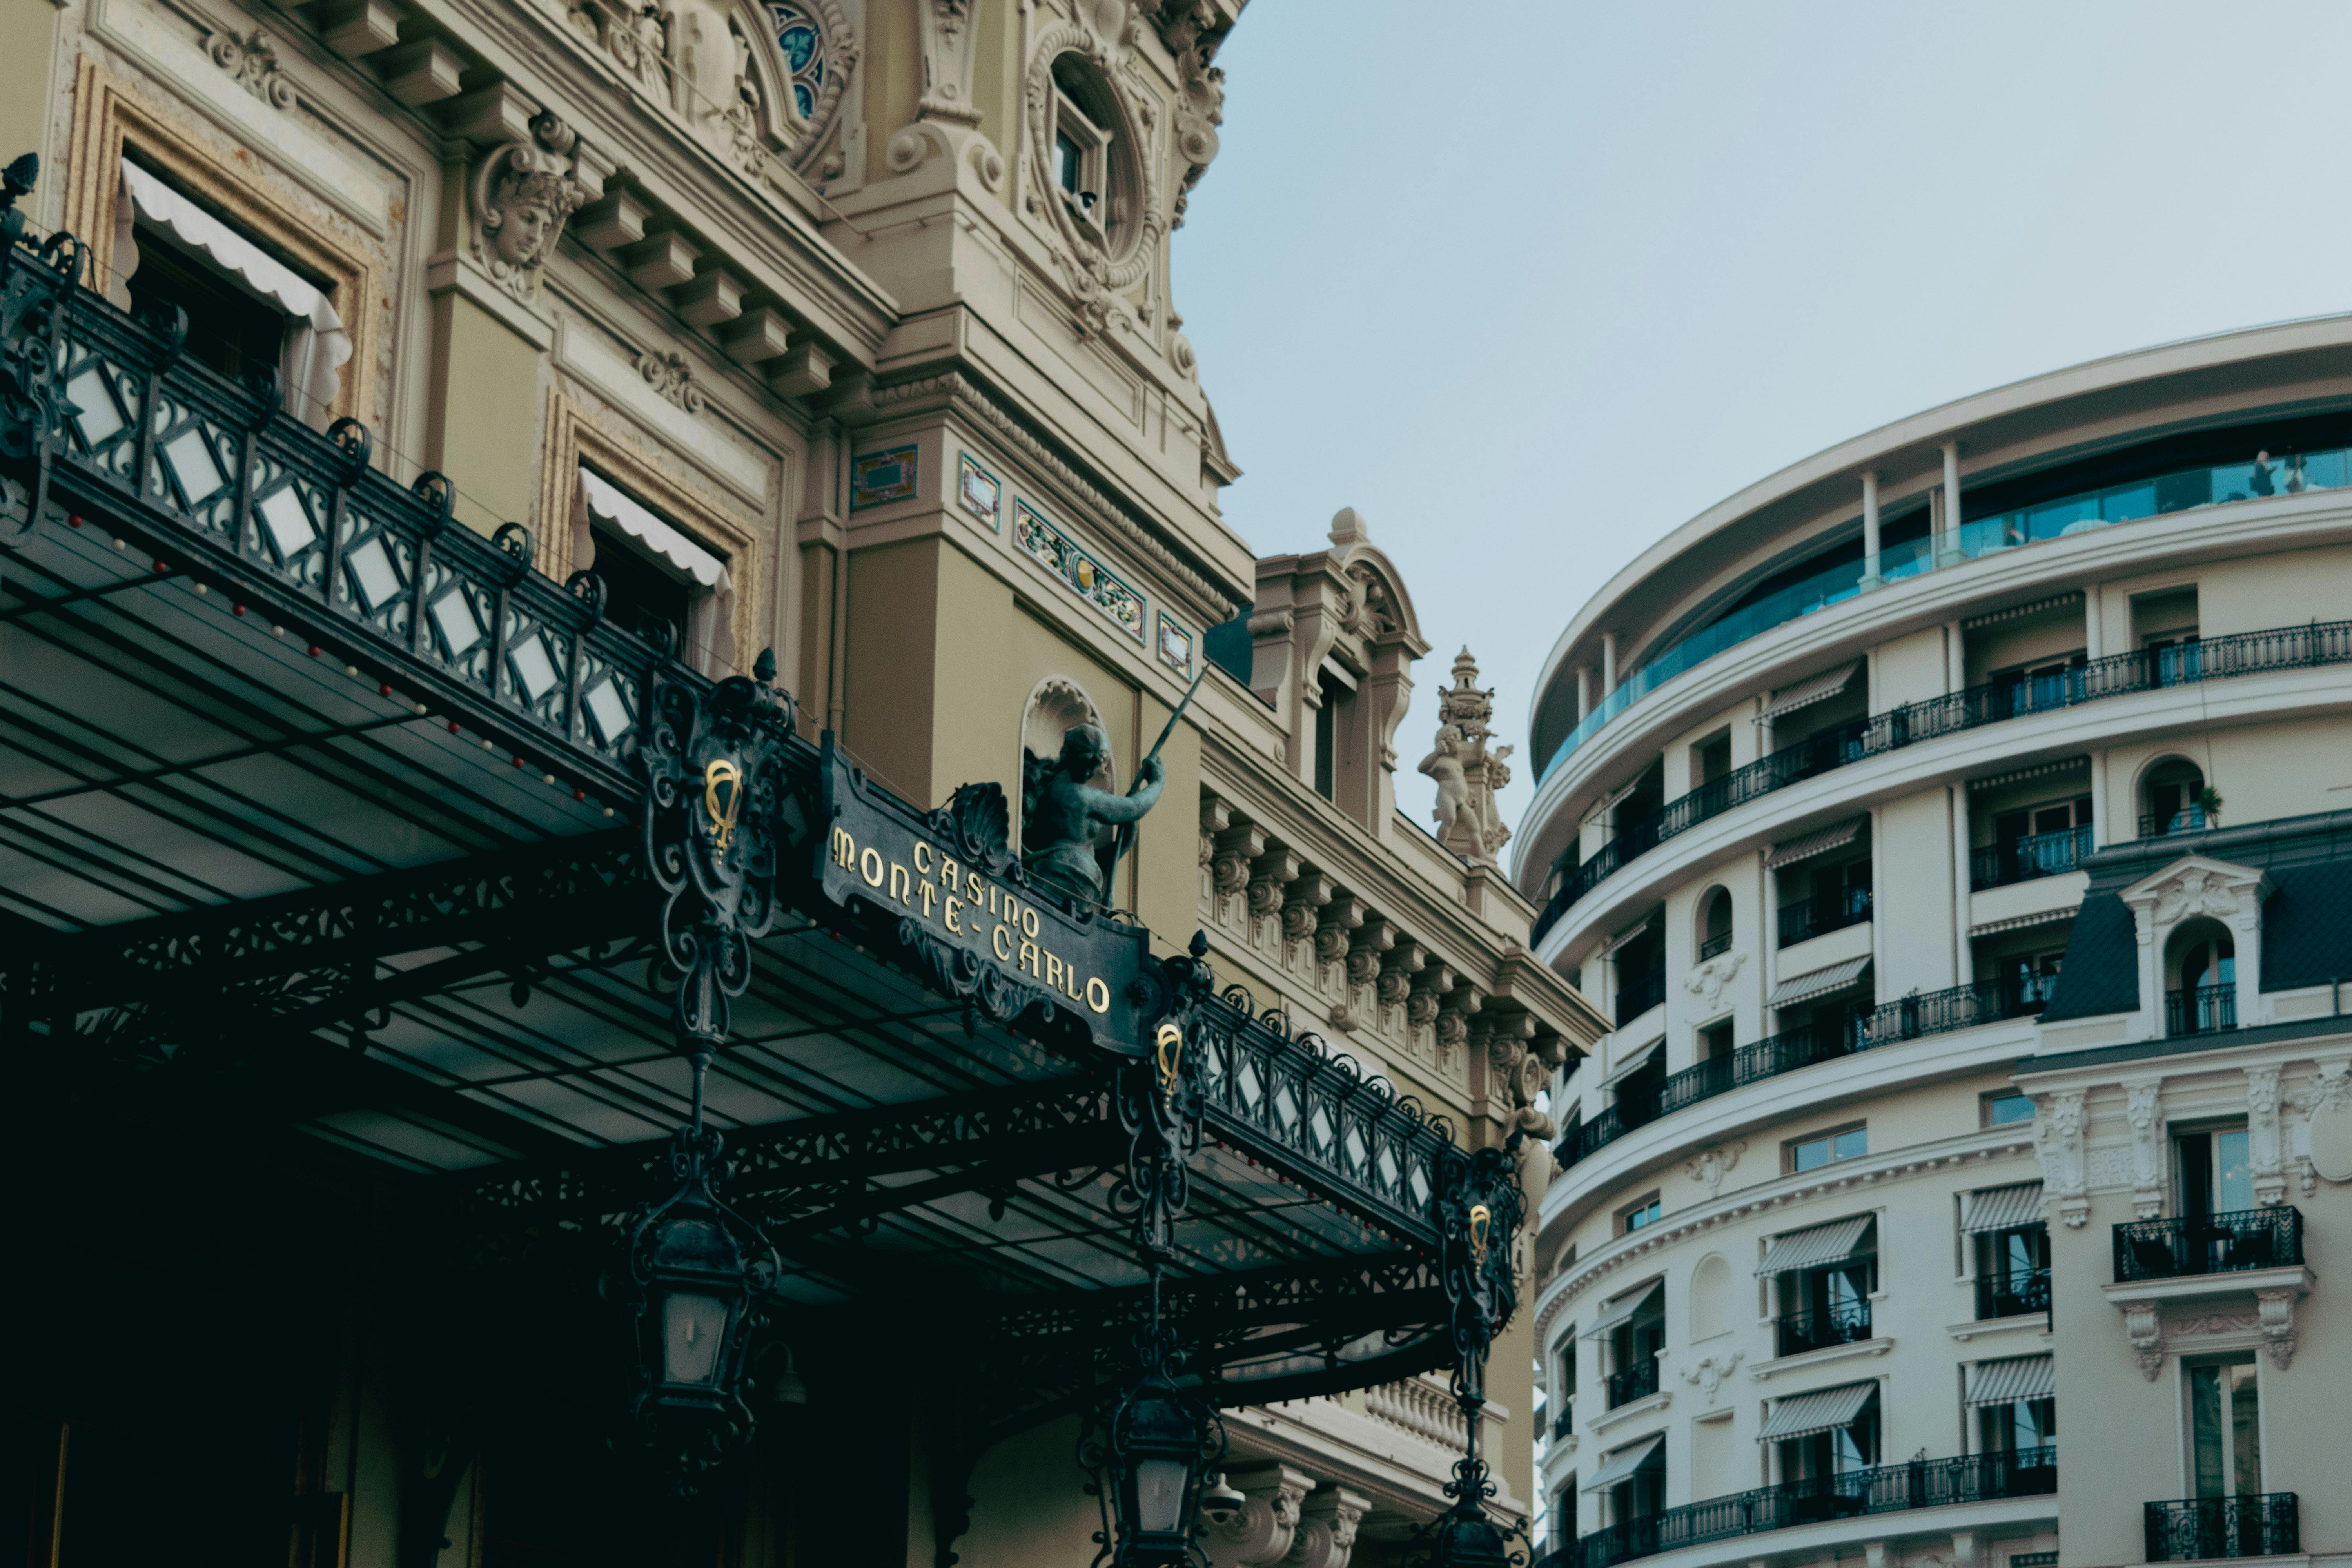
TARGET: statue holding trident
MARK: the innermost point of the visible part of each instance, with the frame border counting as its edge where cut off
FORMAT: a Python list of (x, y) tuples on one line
[(1065, 820)]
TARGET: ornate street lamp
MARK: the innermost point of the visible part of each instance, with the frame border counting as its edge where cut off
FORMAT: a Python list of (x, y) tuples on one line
[(697, 1277), (1159, 1446)]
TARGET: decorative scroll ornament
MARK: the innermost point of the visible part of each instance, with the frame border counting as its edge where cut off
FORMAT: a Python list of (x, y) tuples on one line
[(524, 193), (251, 62), (714, 766)]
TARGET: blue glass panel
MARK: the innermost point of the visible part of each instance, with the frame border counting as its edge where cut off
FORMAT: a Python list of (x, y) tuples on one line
[(804, 100), (798, 40)]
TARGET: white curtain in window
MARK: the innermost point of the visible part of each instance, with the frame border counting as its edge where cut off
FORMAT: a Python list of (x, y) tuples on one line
[(711, 645), (310, 374)]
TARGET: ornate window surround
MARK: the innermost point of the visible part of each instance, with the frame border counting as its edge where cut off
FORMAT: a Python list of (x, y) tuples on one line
[(109, 115), (2196, 886)]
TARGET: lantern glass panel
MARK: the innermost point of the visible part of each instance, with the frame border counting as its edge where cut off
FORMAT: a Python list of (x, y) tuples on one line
[(693, 1328), (1159, 1494)]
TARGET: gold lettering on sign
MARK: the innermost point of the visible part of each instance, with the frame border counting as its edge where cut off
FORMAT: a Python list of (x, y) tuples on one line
[(869, 865), (955, 908), (929, 893), (1001, 941), (1029, 956), (922, 859), (1098, 994), (844, 848), (950, 874), (722, 799), (1053, 972), (901, 884)]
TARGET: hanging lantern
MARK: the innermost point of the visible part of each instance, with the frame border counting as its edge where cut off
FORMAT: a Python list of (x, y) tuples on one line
[(697, 1277), (1159, 1450)]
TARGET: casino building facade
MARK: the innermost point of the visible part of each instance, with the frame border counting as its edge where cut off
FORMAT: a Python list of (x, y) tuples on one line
[(1954, 828), (416, 417)]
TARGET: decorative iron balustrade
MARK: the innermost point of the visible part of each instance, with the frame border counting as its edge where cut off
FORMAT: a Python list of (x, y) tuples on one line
[(2205, 1529), (2200, 1010), (1343, 1131), (1905, 1018), (2015, 1293), (1822, 914), (1636, 1381), (299, 523), (1714, 946), (2119, 675), (2188, 819), (1846, 1323), (2208, 1244), (2024, 859), (1638, 995), (1884, 1488)]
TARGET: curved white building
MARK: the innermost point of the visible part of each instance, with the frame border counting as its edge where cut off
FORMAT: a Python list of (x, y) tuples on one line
[(1957, 828)]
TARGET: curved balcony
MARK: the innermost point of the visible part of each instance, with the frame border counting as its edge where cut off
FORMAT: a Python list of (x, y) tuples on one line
[(2244, 653), (2025, 858), (1883, 1488), (1905, 1018)]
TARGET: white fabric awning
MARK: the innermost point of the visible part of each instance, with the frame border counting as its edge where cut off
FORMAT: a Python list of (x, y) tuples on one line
[(1813, 844), (2019, 1377), (1609, 948), (1805, 693), (1802, 1414), (310, 374), (712, 641), (1622, 1310), (1815, 1247), (2003, 1208), (1818, 981), (1621, 1465), (1633, 1063)]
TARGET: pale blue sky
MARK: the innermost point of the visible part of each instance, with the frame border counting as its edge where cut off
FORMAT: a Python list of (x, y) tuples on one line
[(1531, 282)]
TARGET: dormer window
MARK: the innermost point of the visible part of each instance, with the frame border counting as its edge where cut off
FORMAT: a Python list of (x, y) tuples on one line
[(1081, 146)]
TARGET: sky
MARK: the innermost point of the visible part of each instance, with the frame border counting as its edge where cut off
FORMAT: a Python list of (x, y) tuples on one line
[(1531, 283)]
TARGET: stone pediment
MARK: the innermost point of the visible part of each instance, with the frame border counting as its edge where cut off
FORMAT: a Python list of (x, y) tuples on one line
[(2198, 885)]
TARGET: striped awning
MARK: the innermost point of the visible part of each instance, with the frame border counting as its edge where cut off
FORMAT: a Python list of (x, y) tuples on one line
[(2003, 1208), (1622, 1310), (1818, 981), (1621, 1465), (1816, 1247), (1813, 844), (1802, 1414), (2019, 1377), (1805, 693), (1609, 948), (1633, 1063)]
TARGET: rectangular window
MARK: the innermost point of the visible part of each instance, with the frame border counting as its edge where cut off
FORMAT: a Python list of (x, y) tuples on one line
[(2225, 1427), (1327, 735), (661, 583), (1840, 1452), (1715, 1042), (2005, 1105), (1827, 1148), (1640, 1215), (2018, 1425), (229, 329), (2216, 1171)]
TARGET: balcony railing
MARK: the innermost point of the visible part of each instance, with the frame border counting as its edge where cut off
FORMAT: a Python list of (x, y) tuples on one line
[(2120, 675), (1905, 1018), (1713, 946), (1846, 1323), (2209, 1244), (1638, 995), (2200, 1010), (1885, 1489), (2204, 1529), (1636, 1381), (2023, 860), (1818, 916), (2015, 1294), (2162, 824), (1564, 1420)]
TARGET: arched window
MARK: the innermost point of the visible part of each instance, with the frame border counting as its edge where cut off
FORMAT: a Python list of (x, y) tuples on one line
[(1710, 1298), (801, 36), (2169, 798), (1713, 923), (1094, 167), (2201, 979)]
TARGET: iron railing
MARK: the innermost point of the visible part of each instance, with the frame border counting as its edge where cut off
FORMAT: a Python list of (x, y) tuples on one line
[(2201, 1009), (1884, 1488), (1905, 1018), (2208, 1244), (1824, 913), (1638, 995), (1561, 1422), (1636, 1381), (1846, 1323), (2119, 675), (2203, 1528), (2023, 860), (1715, 945), (2162, 824), (2014, 1293)]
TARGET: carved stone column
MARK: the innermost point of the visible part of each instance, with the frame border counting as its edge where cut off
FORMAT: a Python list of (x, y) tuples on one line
[(2058, 1139), (2144, 1109), (1262, 1532), (1327, 1528), (2263, 1138)]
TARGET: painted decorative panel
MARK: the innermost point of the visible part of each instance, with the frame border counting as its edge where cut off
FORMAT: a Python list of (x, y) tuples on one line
[(1087, 577), (980, 492), (877, 478)]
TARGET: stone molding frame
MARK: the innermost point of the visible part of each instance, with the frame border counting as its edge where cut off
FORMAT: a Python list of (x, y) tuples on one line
[(2191, 887), (110, 115), (1096, 273), (575, 436)]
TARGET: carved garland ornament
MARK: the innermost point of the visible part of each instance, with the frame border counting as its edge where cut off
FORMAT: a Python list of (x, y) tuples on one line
[(1094, 275)]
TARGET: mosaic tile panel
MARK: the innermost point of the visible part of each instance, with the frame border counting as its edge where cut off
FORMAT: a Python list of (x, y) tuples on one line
[(879, 477), (1178, 648), (1087, 577), (980, 492)]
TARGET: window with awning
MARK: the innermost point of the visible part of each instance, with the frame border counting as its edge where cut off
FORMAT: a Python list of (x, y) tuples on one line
[(2002, 1208), (1818, 981), (1805, 693), (1619, 1467), (1825, 1410), (654, 575), (2015, 1378), (1817, 1246), (1623, 1310)]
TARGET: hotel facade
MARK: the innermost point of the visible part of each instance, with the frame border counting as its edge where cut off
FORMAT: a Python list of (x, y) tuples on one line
[(1957, 829)]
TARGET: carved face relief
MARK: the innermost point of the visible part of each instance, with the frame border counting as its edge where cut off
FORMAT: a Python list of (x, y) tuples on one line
[(522, 194)]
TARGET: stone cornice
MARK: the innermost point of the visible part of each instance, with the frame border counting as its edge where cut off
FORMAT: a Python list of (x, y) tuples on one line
[(1858, 1175), (1210, 598)]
